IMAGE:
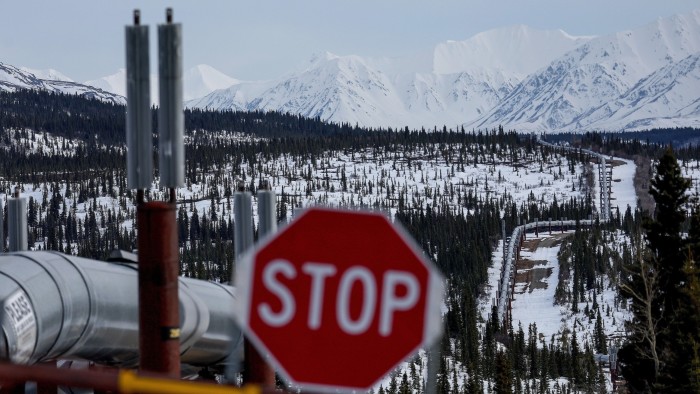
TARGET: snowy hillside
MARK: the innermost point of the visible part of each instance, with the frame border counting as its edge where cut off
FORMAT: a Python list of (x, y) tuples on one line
[(464, 183), (13, 78)]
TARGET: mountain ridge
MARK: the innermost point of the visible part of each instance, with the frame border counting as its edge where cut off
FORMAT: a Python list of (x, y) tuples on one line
[(13, 78), (571, 92), (518, 77), (489, 80)]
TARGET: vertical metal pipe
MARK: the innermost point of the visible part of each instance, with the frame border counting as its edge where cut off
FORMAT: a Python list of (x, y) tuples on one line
[(242, 240), (267, 216), (139, 139), (171, 119), (17, 223), (159, 315), (243, 228), (256, 369), (2, 227)]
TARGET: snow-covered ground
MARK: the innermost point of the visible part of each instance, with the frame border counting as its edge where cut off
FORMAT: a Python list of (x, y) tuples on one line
[(536, 281), (534, 288), (534, 306), (369, 177), (623, 193)]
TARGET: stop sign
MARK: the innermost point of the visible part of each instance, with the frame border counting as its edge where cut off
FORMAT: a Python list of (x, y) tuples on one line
[(339, 298)]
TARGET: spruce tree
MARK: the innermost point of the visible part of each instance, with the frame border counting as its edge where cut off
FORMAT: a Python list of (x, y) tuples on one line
[(504, 374), (688, 338), (655, 284), (475, 385), (393, 386), (599, 337), (404, 388)]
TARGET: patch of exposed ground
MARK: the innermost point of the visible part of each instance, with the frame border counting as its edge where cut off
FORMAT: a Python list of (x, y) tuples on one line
[(548, 240), (616, 163), (530, 274), (532, 277)]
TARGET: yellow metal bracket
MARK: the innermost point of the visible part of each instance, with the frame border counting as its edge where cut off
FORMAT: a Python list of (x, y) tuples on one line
[(129, 383)]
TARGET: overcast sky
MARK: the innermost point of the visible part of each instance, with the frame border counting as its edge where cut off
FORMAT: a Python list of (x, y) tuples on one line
[(263, 39)]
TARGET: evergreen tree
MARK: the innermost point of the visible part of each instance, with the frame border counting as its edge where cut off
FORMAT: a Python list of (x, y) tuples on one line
[(599, 336), (504, 374), (475, 385), (576, 372), (443, 380), (655, 285), (404, 388), (415, 381), (393, 386), (689, 316)]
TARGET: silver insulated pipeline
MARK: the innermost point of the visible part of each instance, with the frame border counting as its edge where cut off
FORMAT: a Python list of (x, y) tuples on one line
[(60, 306)]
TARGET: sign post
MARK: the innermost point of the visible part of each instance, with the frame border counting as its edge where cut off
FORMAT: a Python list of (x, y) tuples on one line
[(339, 298)]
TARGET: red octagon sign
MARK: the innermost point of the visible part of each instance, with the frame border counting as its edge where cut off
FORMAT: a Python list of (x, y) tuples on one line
[(339, 298)]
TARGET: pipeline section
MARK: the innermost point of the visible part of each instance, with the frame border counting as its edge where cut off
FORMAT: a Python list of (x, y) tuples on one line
[(505, 284), (61, 306), (602, 169), (506, 281)]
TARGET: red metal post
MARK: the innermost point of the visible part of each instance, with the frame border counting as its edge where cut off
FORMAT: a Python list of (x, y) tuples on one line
[(47, 388), (18, 374), (17, 388), (159, 317), (256, 370)]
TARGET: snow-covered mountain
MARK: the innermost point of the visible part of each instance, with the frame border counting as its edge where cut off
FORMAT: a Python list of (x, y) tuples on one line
[(510, 50), (453, 83), (633, 79), (13, 78), (115, 83), (202, 79), (519, 77), (49, 74), (197, 82)]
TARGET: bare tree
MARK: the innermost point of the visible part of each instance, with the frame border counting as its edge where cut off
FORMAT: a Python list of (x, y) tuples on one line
[(645, 326)]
